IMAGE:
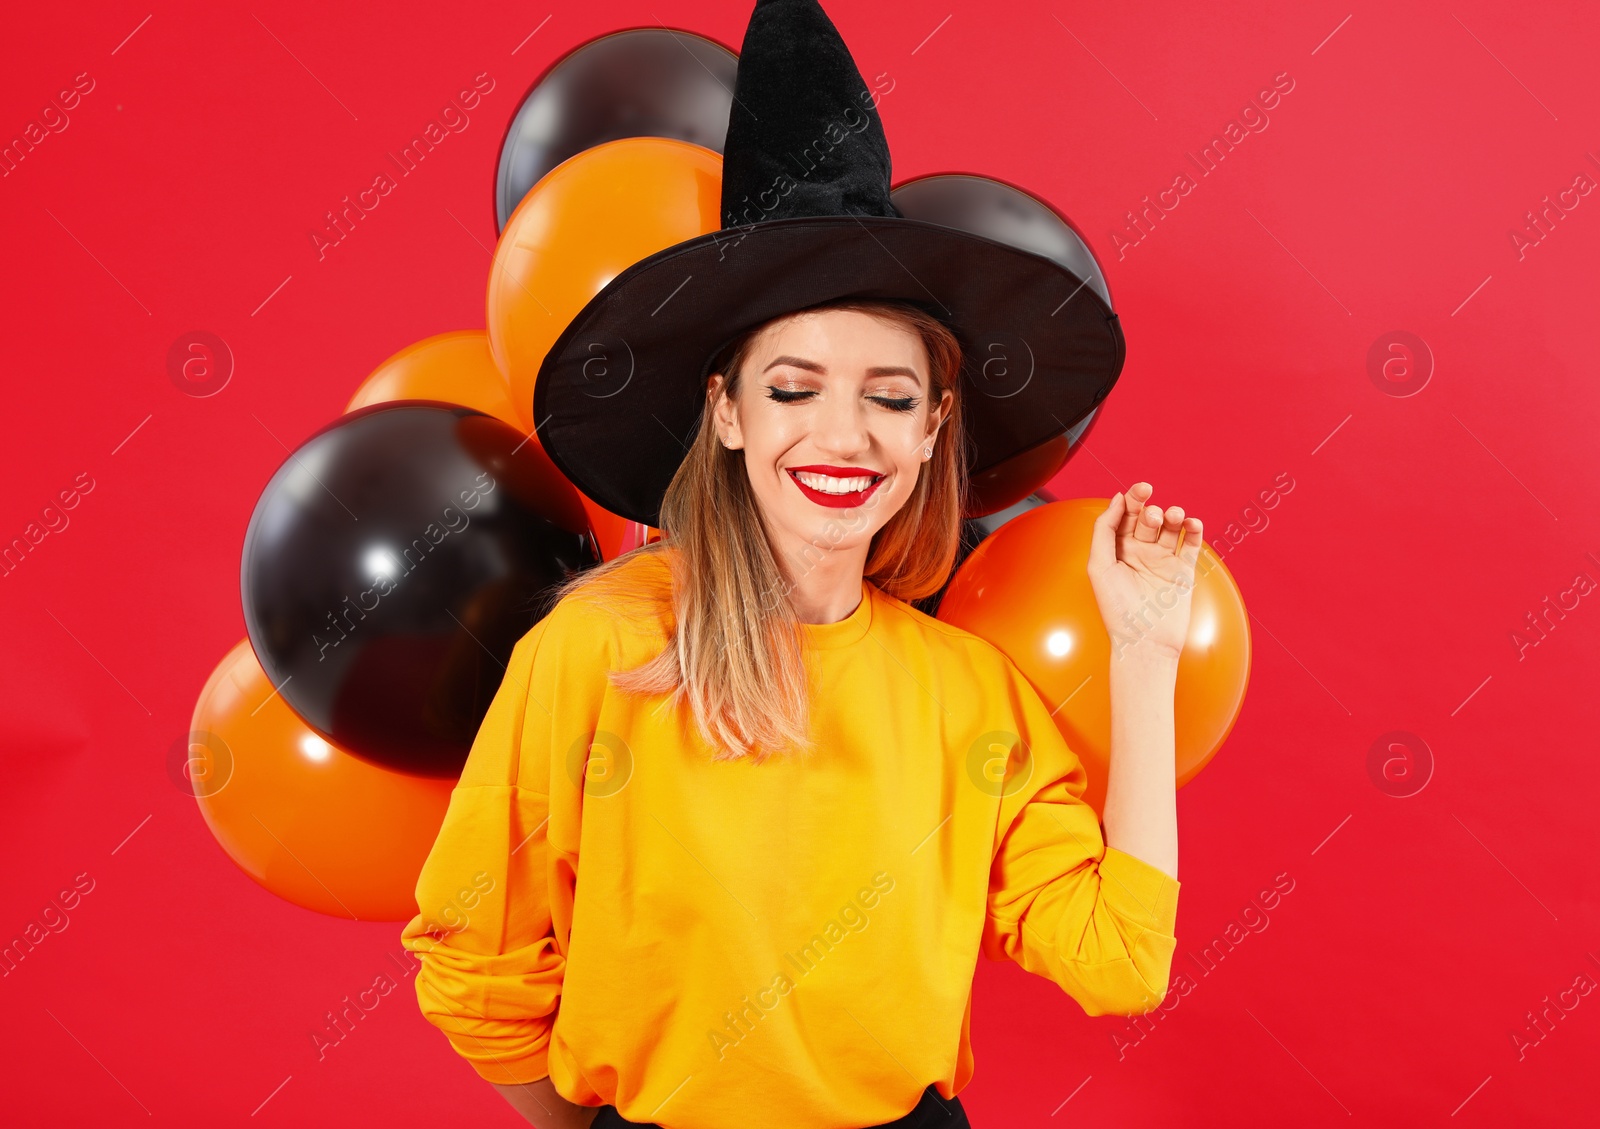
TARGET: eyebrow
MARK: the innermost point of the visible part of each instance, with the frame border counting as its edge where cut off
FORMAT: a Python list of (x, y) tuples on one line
[(875, 370)]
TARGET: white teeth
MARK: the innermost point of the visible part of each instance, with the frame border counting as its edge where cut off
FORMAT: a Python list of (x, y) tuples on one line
[(828, 484)]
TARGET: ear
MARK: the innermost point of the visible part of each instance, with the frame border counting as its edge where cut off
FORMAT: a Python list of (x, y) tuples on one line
[(940, 413), (722, 411)]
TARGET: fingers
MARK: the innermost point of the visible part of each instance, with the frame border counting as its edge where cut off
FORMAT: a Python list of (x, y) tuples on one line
[(1193, 537), (1149, 524), (1145, 520), (1134, 499), (1153, 524), (1102, 539), (1171, 527)]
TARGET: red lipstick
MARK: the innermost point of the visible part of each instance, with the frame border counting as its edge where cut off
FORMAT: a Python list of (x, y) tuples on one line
[(837, 501)]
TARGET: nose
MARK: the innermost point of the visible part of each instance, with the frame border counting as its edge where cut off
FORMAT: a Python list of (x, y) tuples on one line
[(840, 430)]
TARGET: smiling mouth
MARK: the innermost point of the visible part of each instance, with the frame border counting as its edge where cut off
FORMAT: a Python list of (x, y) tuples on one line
[(836, 490)]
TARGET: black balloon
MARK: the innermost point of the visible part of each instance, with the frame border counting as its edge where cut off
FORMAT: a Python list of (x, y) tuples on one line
[(643, 82), (390, 566), (1006, 214), (999, 211)]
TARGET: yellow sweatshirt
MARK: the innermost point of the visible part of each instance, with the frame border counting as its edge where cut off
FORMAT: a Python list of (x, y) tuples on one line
[(702, 944)]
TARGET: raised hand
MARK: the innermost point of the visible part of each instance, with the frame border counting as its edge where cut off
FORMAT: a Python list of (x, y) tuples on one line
[(1142, 577)]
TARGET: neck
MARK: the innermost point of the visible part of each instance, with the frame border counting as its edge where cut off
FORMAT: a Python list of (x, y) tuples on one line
[(825, 588)]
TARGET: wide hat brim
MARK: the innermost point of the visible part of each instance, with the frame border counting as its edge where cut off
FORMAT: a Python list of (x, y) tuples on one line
[(621, 392)]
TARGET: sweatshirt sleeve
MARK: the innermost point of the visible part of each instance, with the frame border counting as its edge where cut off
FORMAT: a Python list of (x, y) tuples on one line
[(494, 895), (1062, 903)]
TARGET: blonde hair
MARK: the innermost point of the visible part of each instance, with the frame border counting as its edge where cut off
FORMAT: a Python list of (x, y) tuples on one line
[(736, 652)]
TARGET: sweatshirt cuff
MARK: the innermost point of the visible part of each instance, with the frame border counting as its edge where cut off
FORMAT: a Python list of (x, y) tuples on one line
[(1139, 891), (506, 1071)]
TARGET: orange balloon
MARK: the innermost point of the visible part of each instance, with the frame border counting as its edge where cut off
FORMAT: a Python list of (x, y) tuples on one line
[(313, 824), (456, 368), (459, 368), (585, 222), (1026, 590)]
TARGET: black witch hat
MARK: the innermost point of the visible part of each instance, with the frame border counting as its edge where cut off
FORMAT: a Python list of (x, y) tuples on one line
[(807, 218)]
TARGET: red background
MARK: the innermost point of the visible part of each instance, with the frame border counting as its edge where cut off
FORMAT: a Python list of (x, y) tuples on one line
[(1385, 587)]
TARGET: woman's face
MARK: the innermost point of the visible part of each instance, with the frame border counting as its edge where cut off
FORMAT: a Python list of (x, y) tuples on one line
[(833, 416)]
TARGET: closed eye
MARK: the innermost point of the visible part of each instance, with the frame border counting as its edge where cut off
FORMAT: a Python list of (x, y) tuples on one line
[(893, 403)]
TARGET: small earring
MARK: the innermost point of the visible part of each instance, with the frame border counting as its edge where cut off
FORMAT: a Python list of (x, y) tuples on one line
[(927, 452)]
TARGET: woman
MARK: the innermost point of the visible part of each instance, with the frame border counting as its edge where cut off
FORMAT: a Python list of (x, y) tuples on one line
[(800, 808)]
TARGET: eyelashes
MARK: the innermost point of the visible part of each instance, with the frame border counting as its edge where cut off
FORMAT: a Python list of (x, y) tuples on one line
[(893, 403)]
